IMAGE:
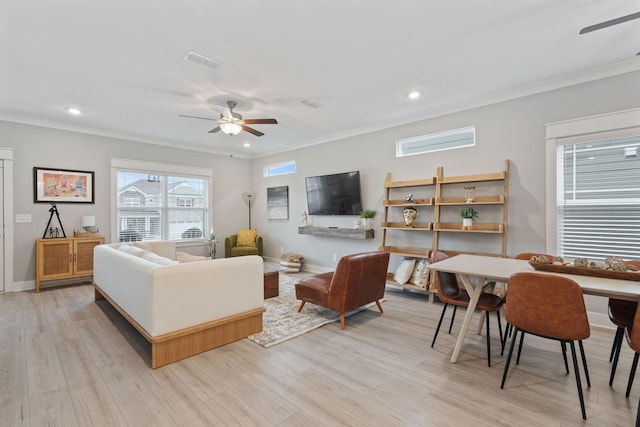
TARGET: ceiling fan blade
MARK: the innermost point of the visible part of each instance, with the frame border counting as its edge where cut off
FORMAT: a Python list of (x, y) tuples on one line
[(609, 23), (252, 130), (196, 117), (214, 130), (261, 121)]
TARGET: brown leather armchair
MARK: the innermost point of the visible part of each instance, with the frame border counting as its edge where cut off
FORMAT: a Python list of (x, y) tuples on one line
[(358, 280)]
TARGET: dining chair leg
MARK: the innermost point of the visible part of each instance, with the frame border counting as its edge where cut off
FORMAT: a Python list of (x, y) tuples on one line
[(506, 365), (488, 340), (444, 309), (301, 305), (617, 341), (578, 382), (615, 353), (634, 365), (453, 317), (520, 348), (500, 330), (584, 363), (507, 333), (563, 344)]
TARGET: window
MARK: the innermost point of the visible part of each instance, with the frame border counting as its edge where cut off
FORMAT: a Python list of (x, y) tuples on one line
[(280, 168), (159, 204), (594, 166), (599, 198), (449, 140)]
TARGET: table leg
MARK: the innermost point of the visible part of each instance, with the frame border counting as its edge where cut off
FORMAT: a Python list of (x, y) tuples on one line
[(474, 289)]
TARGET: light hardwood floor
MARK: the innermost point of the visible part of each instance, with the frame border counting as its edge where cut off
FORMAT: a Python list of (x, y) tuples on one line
[(67, 361)]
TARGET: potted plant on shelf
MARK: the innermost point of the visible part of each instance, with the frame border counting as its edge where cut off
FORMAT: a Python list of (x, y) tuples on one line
[(366, 216), (468, 215)]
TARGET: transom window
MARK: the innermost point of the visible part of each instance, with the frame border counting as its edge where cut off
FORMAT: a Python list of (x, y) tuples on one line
[(449, 140)]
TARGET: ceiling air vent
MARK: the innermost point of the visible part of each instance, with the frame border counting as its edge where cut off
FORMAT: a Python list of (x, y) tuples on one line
[(309, 103), (202, 60)]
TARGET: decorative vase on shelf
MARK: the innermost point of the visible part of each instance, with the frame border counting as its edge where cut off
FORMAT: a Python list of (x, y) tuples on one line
[(469, 195), (366, 223), (467, 222)]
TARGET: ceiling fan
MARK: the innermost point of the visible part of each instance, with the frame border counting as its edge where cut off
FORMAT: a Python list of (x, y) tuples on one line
[(610, 23), (232, 123)]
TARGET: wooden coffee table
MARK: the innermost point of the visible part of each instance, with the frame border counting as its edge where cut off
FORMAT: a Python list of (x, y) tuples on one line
[(271, 281)]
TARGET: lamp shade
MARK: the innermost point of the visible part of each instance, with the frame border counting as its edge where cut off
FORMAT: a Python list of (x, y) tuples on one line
[(230, 128), (88, 221)]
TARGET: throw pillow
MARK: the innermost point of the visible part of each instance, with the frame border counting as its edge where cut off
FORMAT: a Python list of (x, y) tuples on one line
[(420, 276), (150, 256), (143, 246), (186, 257), (247, 237), (404, 271), (131, 250)]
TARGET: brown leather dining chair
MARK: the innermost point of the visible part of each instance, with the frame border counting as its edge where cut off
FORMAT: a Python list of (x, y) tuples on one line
[(450, 292), (621, 314), (550, 307), (633, 339), (507, 329), (359, 279)]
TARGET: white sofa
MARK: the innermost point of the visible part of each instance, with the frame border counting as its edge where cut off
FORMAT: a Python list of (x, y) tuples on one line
[(182, 309)]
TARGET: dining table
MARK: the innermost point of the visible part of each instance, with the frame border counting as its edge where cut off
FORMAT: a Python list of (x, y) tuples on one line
[(475, 271)]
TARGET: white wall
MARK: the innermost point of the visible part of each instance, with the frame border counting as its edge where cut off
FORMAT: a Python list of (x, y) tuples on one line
[(513, 130), (509, 130), (43, 147)]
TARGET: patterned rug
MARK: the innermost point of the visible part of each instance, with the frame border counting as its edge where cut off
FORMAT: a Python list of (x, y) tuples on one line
[(281, 321)]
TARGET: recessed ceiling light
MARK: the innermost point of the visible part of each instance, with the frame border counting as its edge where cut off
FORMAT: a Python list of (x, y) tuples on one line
[(414, 95), (246, 144), (74, 111)]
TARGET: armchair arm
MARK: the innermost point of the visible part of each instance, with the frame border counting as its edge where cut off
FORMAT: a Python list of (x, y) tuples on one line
[(259, 244), (229, 242)]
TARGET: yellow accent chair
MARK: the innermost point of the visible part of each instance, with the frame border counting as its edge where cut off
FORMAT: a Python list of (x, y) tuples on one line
[(246, 242)]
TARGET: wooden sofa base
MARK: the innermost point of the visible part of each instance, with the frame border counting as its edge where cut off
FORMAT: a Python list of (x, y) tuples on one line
[(178, 345)]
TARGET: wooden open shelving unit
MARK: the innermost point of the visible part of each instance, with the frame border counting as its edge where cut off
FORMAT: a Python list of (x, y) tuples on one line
[(438, 198)]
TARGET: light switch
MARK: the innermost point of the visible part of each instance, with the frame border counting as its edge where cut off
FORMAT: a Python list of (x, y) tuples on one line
[(23, 217)]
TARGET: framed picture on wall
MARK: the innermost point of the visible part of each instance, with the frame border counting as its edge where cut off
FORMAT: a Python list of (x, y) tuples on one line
[(278, 202), (62, 186)]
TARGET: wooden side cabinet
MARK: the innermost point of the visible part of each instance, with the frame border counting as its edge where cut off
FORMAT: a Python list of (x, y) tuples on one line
[(67, 260)]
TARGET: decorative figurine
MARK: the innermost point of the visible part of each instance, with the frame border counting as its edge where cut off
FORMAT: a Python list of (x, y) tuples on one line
[(408, 198), (409, 215), (305, 219)]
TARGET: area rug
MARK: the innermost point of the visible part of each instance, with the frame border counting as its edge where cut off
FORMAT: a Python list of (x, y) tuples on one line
[(281, 321)]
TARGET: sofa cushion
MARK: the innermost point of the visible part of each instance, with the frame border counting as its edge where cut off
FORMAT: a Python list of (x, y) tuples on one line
[(247, 237)]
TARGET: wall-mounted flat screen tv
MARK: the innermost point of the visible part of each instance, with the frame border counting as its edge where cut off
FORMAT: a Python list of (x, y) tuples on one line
[(337, 194)]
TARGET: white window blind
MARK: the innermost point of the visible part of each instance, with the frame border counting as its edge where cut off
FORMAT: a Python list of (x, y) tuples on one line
[(599, 198)]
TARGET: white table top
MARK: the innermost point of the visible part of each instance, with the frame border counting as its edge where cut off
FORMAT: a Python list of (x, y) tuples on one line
[(500, 269)]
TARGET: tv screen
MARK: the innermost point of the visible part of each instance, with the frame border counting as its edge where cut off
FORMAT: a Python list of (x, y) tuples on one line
[(337, 194)]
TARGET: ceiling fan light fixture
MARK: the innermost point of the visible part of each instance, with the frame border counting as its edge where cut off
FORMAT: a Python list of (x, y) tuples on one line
[(231, 128)]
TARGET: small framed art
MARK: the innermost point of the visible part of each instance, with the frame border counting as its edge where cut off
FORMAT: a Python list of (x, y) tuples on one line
[(278, 202), (62, 186)]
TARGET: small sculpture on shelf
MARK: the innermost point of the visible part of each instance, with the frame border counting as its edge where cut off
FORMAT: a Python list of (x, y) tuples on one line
[(408, 198), (305, 219), (409, 216)]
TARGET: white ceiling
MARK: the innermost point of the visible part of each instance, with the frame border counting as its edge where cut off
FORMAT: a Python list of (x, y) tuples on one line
[(121, 62)]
